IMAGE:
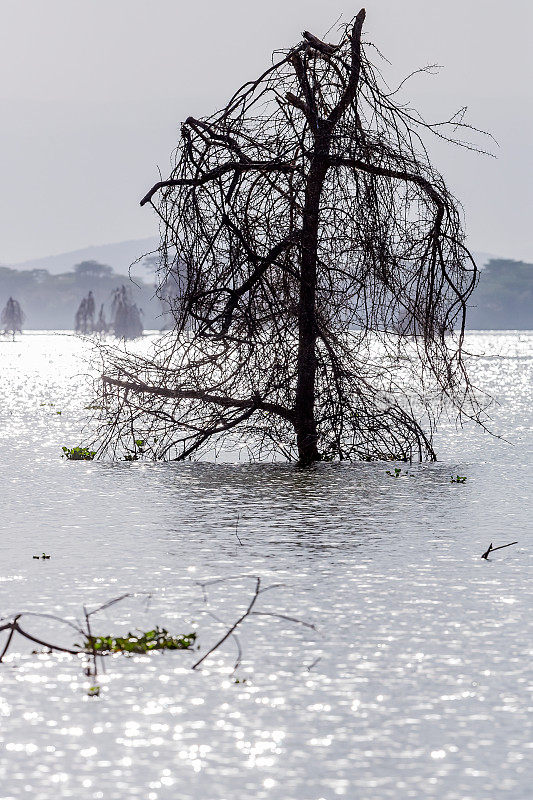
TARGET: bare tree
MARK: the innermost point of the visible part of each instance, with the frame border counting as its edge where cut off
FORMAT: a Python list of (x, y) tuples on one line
[(12, 317), (323, 274), (101, 324), (84, 317), (127, 322)]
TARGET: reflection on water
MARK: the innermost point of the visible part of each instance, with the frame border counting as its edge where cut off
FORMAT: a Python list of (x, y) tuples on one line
[(415, 683)]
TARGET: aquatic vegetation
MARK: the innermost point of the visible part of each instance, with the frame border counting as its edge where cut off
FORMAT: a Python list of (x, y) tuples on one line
[(78, 453), (395, 474), (141, 642), (138, 450), (458, 479), (93, 648)]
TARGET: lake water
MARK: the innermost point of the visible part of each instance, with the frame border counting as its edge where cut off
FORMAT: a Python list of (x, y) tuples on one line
[(416, 683)]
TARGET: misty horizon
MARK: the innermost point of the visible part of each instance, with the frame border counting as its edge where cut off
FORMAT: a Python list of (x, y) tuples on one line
[(93, 108)]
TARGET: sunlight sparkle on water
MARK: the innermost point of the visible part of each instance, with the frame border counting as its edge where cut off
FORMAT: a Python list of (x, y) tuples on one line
[(414, 680)]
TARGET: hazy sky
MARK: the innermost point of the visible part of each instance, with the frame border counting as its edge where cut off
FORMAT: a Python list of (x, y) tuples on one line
[(92, 94)]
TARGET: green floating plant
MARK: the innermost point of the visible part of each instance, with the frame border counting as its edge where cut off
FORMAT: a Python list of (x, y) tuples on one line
[(458, 479), (94, 691), (139, 450), (78, 453), (395, 474), (144, 642)]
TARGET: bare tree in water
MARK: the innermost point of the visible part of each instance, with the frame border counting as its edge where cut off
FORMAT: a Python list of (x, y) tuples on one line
[(127, 322), (84, 317), (12, 317), (101, 325), (323, 274)]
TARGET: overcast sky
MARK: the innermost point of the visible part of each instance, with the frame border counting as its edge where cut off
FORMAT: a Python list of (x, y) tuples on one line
[(92, 94)]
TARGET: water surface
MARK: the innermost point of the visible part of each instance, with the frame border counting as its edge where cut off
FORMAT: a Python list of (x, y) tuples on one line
[(416, 683)]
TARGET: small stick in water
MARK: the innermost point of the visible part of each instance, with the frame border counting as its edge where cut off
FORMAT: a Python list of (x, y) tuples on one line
[(237, 528), (491, 549)]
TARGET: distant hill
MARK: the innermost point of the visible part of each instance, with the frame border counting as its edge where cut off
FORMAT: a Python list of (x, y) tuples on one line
[(118, 255), (503, 299), (50, 301), (50, 295)]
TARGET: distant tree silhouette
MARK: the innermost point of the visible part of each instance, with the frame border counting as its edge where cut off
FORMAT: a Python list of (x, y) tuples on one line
[(90, 308), (92, 269), (127, 322), (84, 318), (101, 324), (50, 301), (12, 317)]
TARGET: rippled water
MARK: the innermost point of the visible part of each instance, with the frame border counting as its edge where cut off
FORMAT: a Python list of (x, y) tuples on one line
[(416, 683)]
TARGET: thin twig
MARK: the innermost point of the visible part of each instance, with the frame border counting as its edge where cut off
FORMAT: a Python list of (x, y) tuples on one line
[(236, 528), (248, 613), (234, 626), (11, 634), (282, 616), (92, 642)]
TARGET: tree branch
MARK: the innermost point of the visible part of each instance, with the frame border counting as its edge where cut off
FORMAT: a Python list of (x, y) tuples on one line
[(350, 92), (257, 274), (385, 172), (218, 172), (318, 44), (194, 394)]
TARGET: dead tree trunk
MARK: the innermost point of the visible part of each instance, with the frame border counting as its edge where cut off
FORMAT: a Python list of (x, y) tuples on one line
[(322, 131), (304, 404)]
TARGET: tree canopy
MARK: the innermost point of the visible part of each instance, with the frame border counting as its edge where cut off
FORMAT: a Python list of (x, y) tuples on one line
[(322, 270)]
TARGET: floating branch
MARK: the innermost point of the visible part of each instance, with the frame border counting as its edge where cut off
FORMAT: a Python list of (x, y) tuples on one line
[(492, 549), (237, 529), (96, 647), (248, 613)]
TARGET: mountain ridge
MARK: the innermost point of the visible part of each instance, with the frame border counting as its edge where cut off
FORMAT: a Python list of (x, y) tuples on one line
[(120, 256)]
